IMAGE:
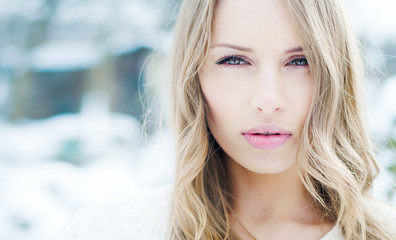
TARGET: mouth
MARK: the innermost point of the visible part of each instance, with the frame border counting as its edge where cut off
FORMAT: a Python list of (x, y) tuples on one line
[(267, 137), (267, 130), (265, 134)]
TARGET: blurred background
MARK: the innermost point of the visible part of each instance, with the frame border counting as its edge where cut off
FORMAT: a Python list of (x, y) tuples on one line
[(73, 87)]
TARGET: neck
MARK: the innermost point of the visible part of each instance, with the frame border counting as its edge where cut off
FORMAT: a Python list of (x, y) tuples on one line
[(271, 197)]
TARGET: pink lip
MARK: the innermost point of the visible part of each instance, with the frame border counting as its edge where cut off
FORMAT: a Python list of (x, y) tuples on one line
[(276, 138)]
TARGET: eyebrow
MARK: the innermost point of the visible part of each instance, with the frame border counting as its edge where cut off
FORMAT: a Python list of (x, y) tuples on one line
[(244, 49), (226, 45), (296, 49)]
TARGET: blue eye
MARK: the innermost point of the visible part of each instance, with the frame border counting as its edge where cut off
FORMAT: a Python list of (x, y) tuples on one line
[(232, 60), (299, 62)]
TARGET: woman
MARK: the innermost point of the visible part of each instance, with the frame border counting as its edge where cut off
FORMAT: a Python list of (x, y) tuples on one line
[(271, 141)]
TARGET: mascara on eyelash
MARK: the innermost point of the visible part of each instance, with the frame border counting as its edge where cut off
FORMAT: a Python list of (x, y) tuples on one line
[(240, 60), (225, 59), (300, 59)]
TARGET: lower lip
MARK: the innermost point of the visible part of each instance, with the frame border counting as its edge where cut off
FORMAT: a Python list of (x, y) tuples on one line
[(267, 142)]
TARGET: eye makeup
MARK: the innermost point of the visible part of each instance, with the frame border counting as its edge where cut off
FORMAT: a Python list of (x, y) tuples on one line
[(237, 60), (232, 60), (298, 62)]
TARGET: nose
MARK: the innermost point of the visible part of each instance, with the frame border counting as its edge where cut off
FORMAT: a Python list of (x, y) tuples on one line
[(267, 92)]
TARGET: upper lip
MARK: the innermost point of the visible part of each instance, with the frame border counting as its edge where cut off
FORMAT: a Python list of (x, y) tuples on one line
[(267, 129)]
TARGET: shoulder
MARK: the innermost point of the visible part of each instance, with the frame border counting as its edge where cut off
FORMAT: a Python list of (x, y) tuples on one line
[(142, 215)]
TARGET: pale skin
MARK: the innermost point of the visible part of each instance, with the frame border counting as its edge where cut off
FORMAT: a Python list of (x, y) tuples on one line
[(256, 74)]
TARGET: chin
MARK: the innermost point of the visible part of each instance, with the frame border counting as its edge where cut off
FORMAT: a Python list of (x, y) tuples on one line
[(270, 170), (266, 165)]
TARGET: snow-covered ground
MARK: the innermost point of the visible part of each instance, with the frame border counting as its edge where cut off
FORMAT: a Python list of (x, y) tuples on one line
[(51, 167)]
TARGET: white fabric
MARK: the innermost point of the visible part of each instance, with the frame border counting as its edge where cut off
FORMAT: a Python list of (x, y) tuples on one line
[(334, 234)]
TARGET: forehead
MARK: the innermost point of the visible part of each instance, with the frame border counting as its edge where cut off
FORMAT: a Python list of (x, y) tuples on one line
[(252, 22)]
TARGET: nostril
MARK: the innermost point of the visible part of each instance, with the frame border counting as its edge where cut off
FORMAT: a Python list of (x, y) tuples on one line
[(260, 109)]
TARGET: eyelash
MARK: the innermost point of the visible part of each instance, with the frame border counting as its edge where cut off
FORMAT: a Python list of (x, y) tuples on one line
[(242, 61), (224, 60)]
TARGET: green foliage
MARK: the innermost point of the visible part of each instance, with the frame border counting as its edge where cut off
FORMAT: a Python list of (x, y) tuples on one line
[(392, 168), (391, 144)]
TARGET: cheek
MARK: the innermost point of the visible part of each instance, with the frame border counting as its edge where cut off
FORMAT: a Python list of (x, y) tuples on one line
[(219, 105), (300, 99), (307, 94), (223, 100), (224, 86)]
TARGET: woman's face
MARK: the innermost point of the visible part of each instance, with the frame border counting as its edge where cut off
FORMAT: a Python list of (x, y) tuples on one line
[(257, 84)]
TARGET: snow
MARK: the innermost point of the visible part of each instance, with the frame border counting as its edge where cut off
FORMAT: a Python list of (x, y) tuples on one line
[(383, 108), (60, 56), (375, 19), (29, 9), (39, 192), (383, 183)]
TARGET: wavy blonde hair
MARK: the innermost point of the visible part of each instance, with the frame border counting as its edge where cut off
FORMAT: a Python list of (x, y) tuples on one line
[(336, 159)]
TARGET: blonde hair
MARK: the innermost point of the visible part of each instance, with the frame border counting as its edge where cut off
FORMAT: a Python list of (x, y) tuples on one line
[(336, 159)]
